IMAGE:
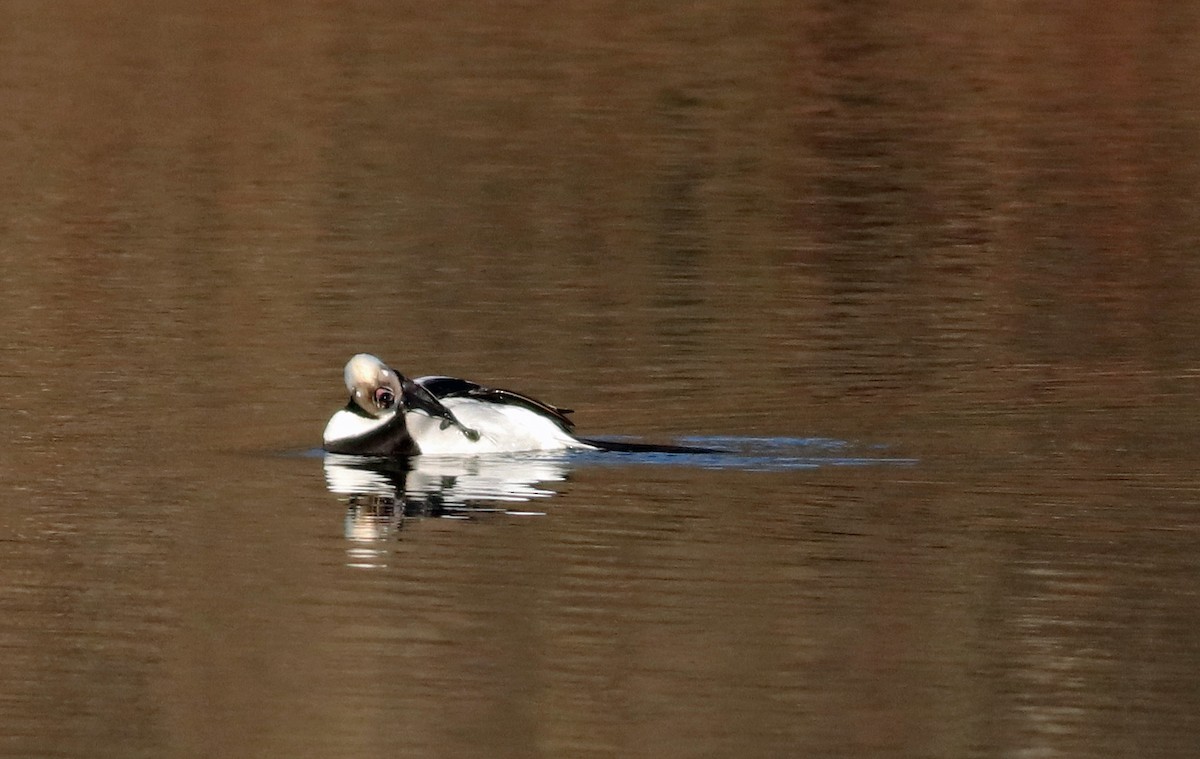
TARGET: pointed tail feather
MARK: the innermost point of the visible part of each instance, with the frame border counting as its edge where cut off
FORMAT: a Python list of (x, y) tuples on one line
[(620, 446)]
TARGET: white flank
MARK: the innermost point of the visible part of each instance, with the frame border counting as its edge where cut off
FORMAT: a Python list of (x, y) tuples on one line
[(502, 428)]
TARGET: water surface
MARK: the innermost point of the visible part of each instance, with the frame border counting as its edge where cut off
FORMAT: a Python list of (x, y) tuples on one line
[(930, 272)]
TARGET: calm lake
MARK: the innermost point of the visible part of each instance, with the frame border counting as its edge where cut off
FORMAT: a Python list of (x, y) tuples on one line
[(927, 274)]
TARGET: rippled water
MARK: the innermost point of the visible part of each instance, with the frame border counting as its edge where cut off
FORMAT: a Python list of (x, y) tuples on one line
[(926, 274)]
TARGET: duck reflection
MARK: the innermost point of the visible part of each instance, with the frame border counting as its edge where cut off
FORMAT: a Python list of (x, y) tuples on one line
[(382, 492)]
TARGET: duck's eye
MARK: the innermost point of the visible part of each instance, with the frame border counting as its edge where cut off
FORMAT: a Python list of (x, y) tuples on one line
[(385, 398)]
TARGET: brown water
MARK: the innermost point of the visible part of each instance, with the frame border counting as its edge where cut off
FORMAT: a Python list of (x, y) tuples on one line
[(931, 274)]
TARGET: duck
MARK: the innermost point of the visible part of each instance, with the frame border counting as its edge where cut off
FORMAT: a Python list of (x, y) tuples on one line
[(390, 415)]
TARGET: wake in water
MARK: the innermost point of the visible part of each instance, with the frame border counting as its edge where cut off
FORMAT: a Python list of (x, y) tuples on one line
[(381, 492), (445, 481), (756, 454)]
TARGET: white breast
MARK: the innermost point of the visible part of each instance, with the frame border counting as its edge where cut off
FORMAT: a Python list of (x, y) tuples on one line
[(346, 425), (501, 428)]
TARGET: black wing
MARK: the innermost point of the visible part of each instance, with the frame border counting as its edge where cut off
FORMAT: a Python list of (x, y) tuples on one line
[(453, 387)]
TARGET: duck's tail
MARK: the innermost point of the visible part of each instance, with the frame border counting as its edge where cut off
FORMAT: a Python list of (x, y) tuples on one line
[(620, 446)]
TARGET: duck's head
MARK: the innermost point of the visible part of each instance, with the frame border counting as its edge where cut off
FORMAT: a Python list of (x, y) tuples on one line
[(372, 423), (374, 387)]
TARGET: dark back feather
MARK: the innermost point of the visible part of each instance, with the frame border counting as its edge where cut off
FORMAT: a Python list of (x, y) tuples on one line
[(453, 387)]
